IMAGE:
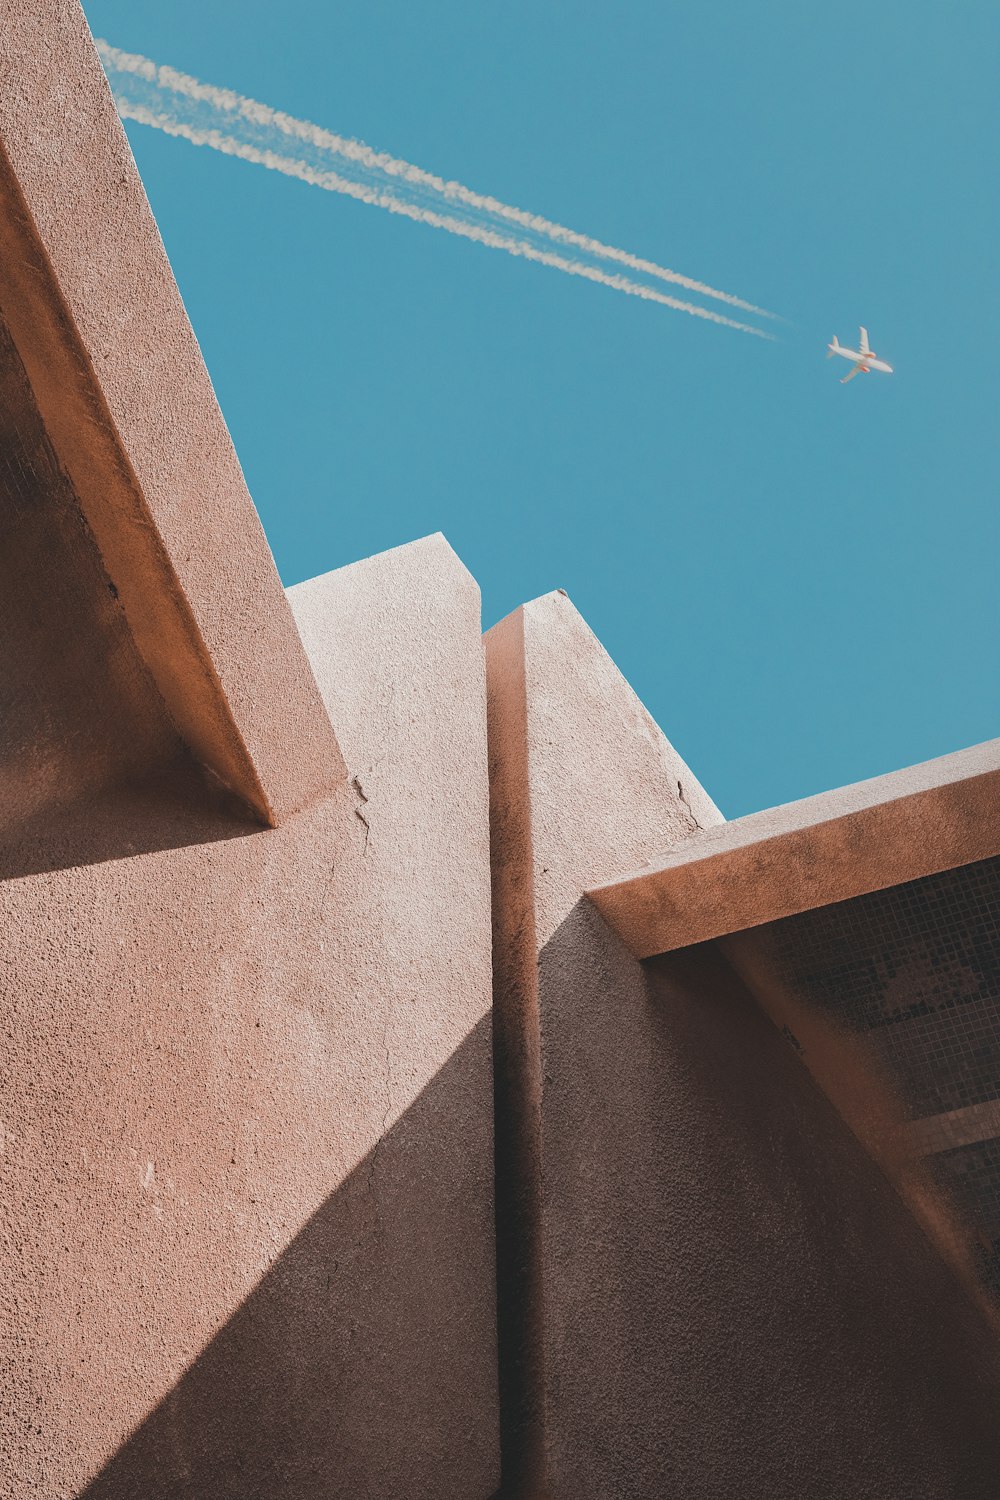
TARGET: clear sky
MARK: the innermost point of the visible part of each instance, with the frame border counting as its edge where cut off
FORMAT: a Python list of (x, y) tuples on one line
[(797, 577)]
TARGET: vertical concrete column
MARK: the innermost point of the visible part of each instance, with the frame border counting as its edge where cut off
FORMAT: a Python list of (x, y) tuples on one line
[(581, 780), (706, 1287)]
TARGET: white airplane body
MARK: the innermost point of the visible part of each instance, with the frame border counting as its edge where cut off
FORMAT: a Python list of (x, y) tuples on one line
[(864, 358)]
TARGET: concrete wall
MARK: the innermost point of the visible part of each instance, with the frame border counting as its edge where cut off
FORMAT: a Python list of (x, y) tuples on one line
[(246, 1124), (892, 1001), (92, 308), (247, 1121), (811, 854), (77, 707), (707, 1288)]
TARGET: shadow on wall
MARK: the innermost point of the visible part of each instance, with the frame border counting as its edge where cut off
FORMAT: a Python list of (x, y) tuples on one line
[(172, 807), (317, 1386), (868, 1093), (736, 1302)]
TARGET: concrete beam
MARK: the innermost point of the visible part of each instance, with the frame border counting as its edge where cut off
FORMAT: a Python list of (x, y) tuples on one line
[(98, 325), (845, 843)]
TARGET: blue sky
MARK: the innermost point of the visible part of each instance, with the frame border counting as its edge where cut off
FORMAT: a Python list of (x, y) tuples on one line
[(797, 577)]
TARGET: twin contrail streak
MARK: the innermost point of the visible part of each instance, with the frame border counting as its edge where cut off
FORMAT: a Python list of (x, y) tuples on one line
[(209, 116)]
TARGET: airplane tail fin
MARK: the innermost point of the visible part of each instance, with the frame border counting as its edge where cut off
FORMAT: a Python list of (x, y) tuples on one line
[(831, 349)]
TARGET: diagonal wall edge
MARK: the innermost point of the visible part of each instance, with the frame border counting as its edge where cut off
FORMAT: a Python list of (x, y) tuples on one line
[(832, 847), (88, 295)]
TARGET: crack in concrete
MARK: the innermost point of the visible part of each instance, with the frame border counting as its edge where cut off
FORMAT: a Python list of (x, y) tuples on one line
[(686, 804), (356, 784)]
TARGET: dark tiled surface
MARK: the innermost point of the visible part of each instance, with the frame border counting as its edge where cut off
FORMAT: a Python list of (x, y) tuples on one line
[(916, 971), (917, 968), (972, 1175)]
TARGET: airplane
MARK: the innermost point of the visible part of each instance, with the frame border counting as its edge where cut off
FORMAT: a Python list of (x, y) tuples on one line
[(864, 357)]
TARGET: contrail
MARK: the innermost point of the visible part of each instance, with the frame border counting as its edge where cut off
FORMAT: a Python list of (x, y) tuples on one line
[(291, 167), (205, 115)]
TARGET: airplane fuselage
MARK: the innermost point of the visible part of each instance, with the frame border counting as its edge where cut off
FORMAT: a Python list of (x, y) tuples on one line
[(865, 361)]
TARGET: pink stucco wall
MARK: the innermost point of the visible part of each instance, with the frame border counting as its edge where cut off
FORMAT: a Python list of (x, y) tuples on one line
[(89, 299), (254, 1019), (707, 1287), (247, 1102)]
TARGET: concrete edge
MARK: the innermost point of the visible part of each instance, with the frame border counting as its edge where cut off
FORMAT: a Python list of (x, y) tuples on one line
[(115, 369), (516, 1064), (691, 793), (440, 554), (869, 836)]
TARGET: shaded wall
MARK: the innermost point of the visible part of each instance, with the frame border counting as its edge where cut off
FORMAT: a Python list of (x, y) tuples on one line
[(247, 1085), (93, 310), (893, 1002), (724, 1295), (78, 709)]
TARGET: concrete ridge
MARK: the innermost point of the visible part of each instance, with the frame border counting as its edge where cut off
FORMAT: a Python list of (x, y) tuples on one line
[(701, 810), (94, 312), (847, 842), (436, 544)]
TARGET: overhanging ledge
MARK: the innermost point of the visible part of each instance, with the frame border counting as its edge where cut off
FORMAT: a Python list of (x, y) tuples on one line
[(97, 322), (832, 847)]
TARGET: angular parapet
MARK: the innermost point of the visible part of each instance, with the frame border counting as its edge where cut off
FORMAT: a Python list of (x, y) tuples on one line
[(137, 474), (803, 855)]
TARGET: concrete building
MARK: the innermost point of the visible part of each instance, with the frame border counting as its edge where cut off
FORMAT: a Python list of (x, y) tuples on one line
[(412, 1087)]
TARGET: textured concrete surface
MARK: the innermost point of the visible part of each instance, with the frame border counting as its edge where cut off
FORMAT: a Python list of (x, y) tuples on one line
[(707, 1288), (579, 773), (247, 1106), (845, 843), (246, 1116), (892, 1001), (94, 314), (77, 707)]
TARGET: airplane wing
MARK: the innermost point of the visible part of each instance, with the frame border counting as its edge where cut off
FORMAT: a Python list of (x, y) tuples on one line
[(851, 374), (863, 346)]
